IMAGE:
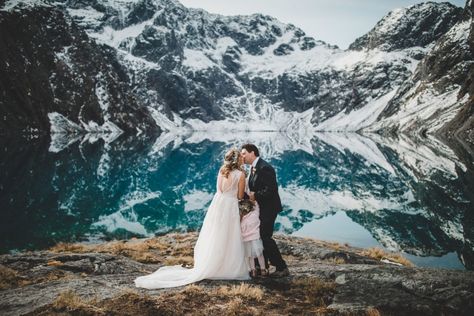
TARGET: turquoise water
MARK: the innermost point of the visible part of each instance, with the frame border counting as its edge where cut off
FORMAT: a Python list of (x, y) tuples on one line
[(367, 191)]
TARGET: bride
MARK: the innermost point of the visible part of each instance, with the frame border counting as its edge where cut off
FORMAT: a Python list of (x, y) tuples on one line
[(219, 250)]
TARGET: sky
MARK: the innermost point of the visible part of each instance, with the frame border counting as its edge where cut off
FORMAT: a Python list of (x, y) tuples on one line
[(337, 22)]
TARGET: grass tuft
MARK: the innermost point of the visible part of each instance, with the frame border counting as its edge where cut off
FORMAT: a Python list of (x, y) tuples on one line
[(178, 249), (334, 260), (235, 307), (179, 260), (314, 291), (379, 254), (372, 311), (71, 302), (243, 290), (55, 263), (9, 278), (68, 247)]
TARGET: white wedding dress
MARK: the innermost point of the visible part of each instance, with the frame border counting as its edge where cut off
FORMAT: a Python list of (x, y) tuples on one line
[(219, 250)]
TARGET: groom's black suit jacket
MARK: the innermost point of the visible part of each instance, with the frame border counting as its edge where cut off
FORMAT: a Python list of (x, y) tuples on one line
[(265, 186)]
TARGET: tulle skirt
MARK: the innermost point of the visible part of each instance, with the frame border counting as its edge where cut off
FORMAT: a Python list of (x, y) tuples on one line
[(218, 253), (253, 248)]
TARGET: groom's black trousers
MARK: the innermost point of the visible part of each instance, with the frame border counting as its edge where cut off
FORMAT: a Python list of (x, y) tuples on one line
[(270, 252)]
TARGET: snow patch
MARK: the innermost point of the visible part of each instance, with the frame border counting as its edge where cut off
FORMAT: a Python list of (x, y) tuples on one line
[(64, 57), (359, 145), (196, 200), (114, 38), (60, 124), (14, 5), (268, 65), (86, 17), (390, 21), (426, 157), (107, 127), (425, 112), (119, 220), (357, 119), (320, 203), (459, 33)]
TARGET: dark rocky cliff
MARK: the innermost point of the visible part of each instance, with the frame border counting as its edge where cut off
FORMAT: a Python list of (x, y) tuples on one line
[(48, 64)]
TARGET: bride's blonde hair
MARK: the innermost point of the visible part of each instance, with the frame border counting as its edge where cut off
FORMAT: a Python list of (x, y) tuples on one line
[(231, 162)]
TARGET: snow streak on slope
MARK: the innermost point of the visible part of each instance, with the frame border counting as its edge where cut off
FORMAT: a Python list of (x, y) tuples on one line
[(426, 157), (434, 110), (358, 145), (357, 119)]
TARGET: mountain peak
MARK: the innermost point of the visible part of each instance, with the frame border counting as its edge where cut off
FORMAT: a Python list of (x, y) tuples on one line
[(417, 25)]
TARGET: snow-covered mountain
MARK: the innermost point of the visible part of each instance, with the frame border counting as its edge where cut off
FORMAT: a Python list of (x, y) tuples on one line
[(432, 100), (114, 64)]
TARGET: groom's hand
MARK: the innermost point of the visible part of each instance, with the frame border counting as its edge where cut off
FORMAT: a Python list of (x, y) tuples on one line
[(252, 196)]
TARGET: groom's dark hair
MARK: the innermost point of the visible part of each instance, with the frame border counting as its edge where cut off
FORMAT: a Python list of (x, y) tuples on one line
[(250, 148)]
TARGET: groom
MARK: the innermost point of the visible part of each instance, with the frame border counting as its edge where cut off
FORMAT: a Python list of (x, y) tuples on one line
[(264, 189)]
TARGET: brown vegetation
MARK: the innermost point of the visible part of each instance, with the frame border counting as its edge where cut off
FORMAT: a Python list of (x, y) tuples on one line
[(379, 254), (335, 260), (371, 311), (68, 301), (170, 249), (243, 290), (9, 278), (314, 291), (305, 295)]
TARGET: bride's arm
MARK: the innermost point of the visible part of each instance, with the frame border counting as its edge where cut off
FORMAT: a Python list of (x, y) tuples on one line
[(240, 193)]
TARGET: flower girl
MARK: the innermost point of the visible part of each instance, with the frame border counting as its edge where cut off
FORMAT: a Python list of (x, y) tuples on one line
[(250, 227)]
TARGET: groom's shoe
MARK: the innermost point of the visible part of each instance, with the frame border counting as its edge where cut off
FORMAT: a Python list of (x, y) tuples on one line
[(280, 273)]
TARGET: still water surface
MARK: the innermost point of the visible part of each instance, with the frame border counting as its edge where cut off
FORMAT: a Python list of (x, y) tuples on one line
[(412, 197)]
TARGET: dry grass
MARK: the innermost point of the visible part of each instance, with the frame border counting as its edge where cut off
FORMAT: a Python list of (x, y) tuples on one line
[(244, 290), (69, 301), (379, 254), (170, 249), (55, 263), (9, 278), (335, 245), (51, 276), (335, 260), (129, 302), (68, 247), (179, 260), (235, 307), (315, 291), (302, 296), (193, 289), (372, 311)]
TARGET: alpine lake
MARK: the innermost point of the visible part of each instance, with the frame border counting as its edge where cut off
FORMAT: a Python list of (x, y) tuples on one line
[(415, 197)]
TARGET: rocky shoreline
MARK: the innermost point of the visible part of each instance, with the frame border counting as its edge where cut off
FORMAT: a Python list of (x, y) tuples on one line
[(326, 278)]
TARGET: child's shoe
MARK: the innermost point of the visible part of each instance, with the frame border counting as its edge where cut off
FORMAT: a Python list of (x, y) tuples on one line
[(253, 273)]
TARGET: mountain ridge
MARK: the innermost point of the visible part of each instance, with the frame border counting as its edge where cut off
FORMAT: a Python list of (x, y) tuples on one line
[(190, 69)]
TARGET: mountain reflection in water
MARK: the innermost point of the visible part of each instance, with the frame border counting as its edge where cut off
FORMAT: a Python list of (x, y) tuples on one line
[(413, 196)]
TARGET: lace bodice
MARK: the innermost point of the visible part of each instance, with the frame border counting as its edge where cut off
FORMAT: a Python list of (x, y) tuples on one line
[(229, 186)]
